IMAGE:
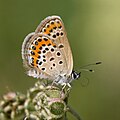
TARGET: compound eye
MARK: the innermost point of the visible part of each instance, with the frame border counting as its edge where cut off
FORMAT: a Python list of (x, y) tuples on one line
[(75, 75)]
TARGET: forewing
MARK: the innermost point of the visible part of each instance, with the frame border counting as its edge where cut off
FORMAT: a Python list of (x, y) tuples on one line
[(54, 28)]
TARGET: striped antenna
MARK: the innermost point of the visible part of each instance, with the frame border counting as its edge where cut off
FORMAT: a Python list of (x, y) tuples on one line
[(92, 64)]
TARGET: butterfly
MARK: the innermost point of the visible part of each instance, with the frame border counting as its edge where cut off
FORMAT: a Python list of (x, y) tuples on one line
[(46, 53)]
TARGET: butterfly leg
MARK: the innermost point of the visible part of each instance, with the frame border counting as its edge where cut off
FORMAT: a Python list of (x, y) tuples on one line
[(66, 85), (53, 84)]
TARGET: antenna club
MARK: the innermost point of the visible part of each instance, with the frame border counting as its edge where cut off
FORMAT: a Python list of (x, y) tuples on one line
[(98, 63), (91, 70)]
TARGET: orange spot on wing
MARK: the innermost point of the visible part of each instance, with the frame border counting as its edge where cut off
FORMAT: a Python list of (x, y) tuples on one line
[(53, 25), (59, 24), (37, 54), (34, 61), (47, 31)]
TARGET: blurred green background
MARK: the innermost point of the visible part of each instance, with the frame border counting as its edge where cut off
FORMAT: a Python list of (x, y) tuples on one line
[(93, 28)]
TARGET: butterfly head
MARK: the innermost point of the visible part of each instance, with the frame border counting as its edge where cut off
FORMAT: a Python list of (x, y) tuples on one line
[(75, 75)]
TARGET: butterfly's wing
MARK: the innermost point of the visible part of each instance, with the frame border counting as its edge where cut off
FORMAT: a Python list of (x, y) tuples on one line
[(53, 26), (46, 53)]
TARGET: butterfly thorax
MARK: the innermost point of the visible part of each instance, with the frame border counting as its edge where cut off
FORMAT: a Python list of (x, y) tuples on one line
[(61, 79)]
